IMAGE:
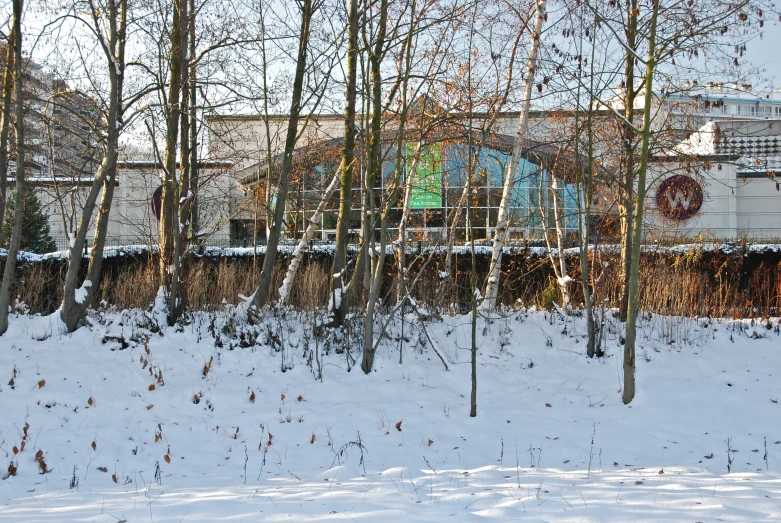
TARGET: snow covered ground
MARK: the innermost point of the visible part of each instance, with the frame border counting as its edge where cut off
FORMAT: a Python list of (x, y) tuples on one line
[(179, 429)]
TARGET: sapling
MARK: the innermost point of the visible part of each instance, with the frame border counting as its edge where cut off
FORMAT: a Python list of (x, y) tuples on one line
[(591, 450), (729, 455), (765, 456)]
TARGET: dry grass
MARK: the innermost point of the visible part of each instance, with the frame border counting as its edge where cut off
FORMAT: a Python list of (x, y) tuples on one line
[(694, 283)]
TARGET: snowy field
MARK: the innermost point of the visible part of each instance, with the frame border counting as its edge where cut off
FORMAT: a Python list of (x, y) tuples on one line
[(130, 430)]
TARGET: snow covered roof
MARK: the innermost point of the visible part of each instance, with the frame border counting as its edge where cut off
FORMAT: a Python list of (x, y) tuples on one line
[(754, 145)]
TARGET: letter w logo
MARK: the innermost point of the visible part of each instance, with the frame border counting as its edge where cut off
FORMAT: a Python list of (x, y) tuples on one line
[(679, 200)]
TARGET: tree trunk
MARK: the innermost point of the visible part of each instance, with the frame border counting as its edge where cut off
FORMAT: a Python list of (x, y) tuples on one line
[(298, 253), (375, 166), (645, 136), (626, 188), (348, 157), (169, 227), (5, 121), (503, 220), (74, 309), (260, 296), (13, 247)]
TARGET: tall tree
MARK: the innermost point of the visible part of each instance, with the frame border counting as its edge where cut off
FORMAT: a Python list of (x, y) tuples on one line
[(348, 165), (13, 247), (503, 221), (260, 295), (108, 22), (5, 124)]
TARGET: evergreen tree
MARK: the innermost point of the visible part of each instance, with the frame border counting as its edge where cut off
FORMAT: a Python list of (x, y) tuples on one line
[(36, 234)]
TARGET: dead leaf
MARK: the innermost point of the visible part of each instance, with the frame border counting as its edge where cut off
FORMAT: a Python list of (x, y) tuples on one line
[(398, 426), (300, 398), (638, 482), (41, 384), (90, 401), (430, 442), (661, 472), (709, 456), (152, 386), (252, 397), (314, 437), (22, 445), (103, 469), (283, 397), (16, 450), (167, 458), (548, 405), (11, 383), (39, 454), (114, 478), (11, 469), (566, 461), (94, 446)]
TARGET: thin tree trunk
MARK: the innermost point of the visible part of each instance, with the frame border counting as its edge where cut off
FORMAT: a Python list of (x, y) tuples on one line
[(5, 121), (13, 248), (348, 154), (503, 221), (375, 165), (645, 136), (298, 253), (73, 308), (473, 301), (626, 195), (260, 296)]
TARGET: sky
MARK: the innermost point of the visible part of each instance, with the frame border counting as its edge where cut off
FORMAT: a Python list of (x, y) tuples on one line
[(764, 53)]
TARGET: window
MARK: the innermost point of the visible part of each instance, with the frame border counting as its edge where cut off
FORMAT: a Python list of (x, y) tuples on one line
[(751, 110), (737, 110), (723, 108)]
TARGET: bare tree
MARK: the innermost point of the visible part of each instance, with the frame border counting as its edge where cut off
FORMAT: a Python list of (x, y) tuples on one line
[(503, 221), (5, 123), (13, 248), (347, 167), (109, 25), (260, 296)]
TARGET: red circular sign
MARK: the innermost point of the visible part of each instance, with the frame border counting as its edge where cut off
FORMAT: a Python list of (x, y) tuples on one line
[(679, 197)]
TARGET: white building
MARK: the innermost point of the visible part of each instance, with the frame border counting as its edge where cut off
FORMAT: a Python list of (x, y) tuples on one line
[(731, 189)]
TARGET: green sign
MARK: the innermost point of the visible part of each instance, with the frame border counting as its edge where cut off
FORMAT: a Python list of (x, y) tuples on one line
[(427, 180)]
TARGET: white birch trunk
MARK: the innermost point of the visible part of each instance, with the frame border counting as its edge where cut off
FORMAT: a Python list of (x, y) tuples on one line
[(298, 253), (503, 220)]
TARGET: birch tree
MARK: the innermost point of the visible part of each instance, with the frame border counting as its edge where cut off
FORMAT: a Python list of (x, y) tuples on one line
[(503, 221)]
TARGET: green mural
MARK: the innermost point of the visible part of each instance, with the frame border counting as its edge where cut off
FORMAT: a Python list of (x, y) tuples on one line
[(427, 181)]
